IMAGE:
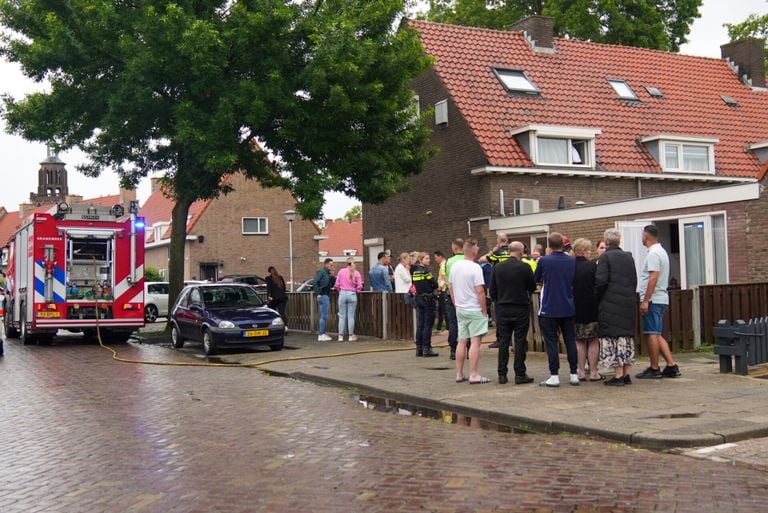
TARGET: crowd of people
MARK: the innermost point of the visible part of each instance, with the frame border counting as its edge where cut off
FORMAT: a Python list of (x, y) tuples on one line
[(589, 301)]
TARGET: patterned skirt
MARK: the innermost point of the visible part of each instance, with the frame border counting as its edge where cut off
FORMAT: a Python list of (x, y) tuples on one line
[(586, 330), (617, 352)]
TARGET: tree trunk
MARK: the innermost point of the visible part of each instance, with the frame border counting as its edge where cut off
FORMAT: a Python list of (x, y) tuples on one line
[(177, 250)]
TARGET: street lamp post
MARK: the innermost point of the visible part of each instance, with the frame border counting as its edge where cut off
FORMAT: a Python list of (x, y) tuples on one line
[(290, 215)]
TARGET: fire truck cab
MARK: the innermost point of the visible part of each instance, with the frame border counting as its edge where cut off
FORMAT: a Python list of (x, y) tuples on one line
[(75, 267)]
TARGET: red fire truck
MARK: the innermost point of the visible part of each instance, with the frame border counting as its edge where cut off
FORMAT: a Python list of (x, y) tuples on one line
[(71, 265)]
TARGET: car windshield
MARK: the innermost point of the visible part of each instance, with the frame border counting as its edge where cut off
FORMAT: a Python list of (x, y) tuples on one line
[(230, 297)]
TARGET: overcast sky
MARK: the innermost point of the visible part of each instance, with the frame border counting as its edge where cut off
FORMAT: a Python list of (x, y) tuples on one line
[(20, 159)]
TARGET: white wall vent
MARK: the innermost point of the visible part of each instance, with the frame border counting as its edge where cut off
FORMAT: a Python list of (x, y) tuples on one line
[(441, 112), (526, 206)]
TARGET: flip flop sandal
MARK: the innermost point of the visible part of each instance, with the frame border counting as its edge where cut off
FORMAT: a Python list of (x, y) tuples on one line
[(462, 380), (481, 381), (601, 378)]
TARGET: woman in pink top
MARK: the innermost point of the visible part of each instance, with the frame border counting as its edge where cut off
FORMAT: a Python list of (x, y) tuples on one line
[(348, 283)]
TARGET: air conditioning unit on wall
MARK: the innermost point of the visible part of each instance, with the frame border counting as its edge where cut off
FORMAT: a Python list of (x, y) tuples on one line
[(526, 206)]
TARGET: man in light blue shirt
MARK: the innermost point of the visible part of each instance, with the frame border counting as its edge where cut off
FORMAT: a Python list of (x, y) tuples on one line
[(654, 300), (379, 274)]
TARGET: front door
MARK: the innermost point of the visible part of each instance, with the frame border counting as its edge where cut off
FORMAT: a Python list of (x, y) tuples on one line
[(696, 251), (209, 272)]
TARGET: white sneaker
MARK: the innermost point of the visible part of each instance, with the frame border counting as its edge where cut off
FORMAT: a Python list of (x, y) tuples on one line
[(341, 338), (553, 381), (353, 338), (324, 338), (574, 380)]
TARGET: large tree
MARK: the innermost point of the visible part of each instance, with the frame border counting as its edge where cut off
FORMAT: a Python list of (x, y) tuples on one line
[(197, 89), (754, 26), (659, 24)]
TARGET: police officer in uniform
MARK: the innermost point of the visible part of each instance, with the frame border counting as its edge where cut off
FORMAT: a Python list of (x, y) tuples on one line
[(425, 285)]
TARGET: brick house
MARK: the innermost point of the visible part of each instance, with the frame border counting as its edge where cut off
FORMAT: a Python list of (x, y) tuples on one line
[(243, 232), (342, 239), (539, 134)]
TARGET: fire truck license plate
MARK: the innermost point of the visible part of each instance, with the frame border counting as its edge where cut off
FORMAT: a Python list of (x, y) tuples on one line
[(42, 315), (256, 333)]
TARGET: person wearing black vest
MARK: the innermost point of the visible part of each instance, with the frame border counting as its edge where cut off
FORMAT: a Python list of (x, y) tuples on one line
[(425, 285), (616, 289), (512, 284)]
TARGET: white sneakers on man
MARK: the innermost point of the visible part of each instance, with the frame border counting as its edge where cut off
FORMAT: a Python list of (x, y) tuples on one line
[(353, 338), (324, 338), (552, 382), (574, 380), (341, 338)]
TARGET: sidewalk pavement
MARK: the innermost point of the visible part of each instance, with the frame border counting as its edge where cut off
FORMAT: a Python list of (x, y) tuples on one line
[(700, 408)]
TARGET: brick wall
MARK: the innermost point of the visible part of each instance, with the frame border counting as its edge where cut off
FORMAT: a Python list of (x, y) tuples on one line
[(755, 244), (220, 225), (444, 196)]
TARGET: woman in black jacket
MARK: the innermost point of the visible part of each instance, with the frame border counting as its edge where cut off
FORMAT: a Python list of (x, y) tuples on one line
[(276, 295), (616, 288), (587, 343)]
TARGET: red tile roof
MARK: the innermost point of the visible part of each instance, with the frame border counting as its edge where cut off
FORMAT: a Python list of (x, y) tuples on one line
[(575, 92), (342, 235), (158, 208)]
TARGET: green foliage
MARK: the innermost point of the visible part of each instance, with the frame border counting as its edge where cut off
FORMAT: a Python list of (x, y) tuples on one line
[(152, 274), (192, 90), (356, 212), (754, 26), (658, 24)]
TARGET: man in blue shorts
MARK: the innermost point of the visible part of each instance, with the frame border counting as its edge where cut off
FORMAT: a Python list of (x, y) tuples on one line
[(654, 301)]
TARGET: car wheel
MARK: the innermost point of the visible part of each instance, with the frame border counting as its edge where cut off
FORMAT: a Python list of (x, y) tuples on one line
[(177, 341), (208, 345), (277, 347), (10, 331), (150, 313)]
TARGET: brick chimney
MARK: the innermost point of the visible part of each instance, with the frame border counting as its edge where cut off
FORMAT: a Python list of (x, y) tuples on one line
[(749, 56), (540, 29), (126, 196), (154, 183)]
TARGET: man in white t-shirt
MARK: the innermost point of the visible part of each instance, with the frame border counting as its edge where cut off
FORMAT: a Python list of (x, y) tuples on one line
[(468, 295), (654, 299)]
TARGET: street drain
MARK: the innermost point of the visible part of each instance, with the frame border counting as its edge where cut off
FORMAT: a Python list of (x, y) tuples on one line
[(384, 405)]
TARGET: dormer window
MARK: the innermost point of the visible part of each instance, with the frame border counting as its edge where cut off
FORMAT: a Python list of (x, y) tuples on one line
[(558, 145), (623, 90), (683, 154), (516, 82)]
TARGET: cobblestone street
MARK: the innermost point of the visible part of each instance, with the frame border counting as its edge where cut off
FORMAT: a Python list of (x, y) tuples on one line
[(81, 433)]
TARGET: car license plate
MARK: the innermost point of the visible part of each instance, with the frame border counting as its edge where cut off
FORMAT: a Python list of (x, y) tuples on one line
[(42, 315), (256, 333)]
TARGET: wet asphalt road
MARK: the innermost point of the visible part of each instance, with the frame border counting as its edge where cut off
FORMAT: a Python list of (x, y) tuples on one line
[(81, 433)]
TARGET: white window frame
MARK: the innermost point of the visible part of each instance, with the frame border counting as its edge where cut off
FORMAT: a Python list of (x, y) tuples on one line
[(570, 134), (622, 89), (503, 73), (681, 146), (266, 226), (682, 141)]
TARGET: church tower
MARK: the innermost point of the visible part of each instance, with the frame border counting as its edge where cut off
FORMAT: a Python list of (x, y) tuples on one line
[(51, 181)]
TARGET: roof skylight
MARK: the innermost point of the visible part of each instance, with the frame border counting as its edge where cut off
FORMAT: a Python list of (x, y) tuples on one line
[(654, 91), (623, 90), (730, 101), (515, 81)]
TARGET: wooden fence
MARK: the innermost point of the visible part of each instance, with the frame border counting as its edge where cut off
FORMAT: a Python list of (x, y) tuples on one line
[(389, 317)]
